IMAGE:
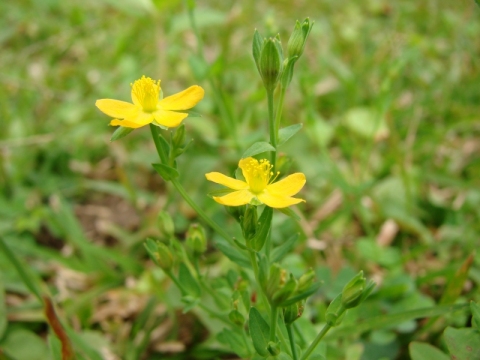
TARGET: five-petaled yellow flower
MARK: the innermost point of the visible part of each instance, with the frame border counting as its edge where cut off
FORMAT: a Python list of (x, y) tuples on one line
[(148, 108), (259, 185)]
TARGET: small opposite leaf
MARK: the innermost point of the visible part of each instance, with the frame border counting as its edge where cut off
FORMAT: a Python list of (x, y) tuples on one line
[(259, 332), (279, 252), (167, 172), (188, 281), (257, 148), (121, 132), (192, 113), (286, 133), (233, 254), (289, 212), (264, 224), (310, 291)]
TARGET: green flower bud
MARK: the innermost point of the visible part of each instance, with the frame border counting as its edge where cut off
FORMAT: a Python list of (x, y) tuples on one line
[(293, 312), (276, 278), (285, 291), (271, 63), (159, 253), (249, 223), (305, 281), (298, 38), (352, 292), (236, 317), (335, 311), (178, 140), (273, 348), (165, 224), (196, 240)]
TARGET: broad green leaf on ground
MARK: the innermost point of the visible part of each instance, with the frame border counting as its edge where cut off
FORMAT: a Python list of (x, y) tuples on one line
[(367, 123), (463, 343), (24, 344), (423, 351)]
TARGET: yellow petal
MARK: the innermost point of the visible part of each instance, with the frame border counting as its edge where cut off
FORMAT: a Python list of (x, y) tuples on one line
[(117, 108), (135, 122), (227, 181), (236, 198), (183, 100), (169, 118), (276, 201), (289, 186)]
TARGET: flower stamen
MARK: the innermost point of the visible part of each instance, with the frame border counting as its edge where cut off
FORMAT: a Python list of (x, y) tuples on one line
[(146, 91)]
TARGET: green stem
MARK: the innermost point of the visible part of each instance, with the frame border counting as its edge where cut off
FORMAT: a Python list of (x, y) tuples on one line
[(291, 337), (253, 261), (315, 342), (164, 159), (278, 114), (273, 322), (28, 279), (272, 128)]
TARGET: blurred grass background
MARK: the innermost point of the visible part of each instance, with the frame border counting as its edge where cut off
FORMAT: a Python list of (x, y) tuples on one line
[(388, 93)]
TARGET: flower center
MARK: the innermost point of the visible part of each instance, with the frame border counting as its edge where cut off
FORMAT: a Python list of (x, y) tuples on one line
[(146, 92), (258, 175)]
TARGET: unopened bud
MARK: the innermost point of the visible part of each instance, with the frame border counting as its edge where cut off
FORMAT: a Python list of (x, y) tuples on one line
[(285, 291), (196, 240), (296, 43), (352, 292), (293, 312), (165, 224), (335, 310), (306, 280), (271, 63), (178, 140), (159, 253)]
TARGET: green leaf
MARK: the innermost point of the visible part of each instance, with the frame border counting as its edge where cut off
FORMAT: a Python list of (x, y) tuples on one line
[(259, 331), (279, 252), (192, 113), (257, 45), (234, 342), (390, 320), (463, 344), (477, 2), (24, 344), (121, 132), (366, 122), (309, 292), (3, 310), (257, 148), (456, 283), (166, 172), (264, 224), (475, 308), (237, 256), (290, 213), (188, 282), (286, 133), (423, 351)]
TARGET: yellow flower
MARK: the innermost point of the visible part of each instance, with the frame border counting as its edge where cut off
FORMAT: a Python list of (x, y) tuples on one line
[(259, 185), (148, 108)]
